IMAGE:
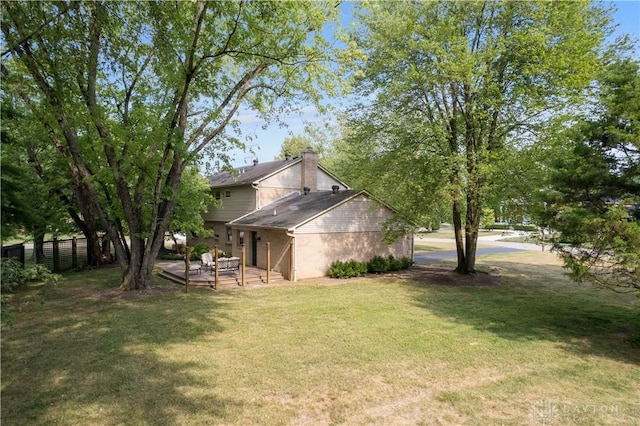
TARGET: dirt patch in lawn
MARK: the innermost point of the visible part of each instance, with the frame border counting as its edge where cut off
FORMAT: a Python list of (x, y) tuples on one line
[(118, 294), (438, 275)]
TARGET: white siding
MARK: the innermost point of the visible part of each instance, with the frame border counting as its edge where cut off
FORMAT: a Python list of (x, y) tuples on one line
[(291, 178), (325, 182), (287, 178), (357, 215), (241, 202)]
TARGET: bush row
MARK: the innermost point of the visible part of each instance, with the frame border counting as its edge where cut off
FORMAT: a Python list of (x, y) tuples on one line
[(530, 228), (377, 265), (505, 226)]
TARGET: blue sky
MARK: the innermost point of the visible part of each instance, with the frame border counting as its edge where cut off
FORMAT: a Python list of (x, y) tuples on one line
[(266, 142)]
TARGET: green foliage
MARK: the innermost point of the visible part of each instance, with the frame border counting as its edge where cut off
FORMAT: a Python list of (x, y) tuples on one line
[(527, 228), (449, 91), (394, 264), (407, 262), (294, 145), (348, 269), (6, 314), (378, 265), (501, 226), (194, 199), (132, 94), (13, 276), (31, 179), (198, 250), (594, 195), (488, 218)]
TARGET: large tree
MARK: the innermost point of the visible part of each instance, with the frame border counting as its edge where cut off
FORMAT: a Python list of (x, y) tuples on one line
[(38, 194), (131, 93), (593, 198), (448, 85)]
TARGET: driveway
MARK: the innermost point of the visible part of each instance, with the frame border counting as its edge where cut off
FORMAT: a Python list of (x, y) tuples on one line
[(434, 256), (493, 241)]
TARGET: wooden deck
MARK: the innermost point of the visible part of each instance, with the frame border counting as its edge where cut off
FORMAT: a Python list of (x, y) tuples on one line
[(254, 277)]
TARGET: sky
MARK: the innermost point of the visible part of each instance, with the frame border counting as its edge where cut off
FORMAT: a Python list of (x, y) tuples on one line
[(266, 142)]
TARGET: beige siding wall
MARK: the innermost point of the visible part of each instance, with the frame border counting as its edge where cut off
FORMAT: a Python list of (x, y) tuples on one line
[(279, 245), (290, 180), (325, 182), (316, 252), (269, 195), (219, 237), (241, 202), (360, 214), (287, 178)]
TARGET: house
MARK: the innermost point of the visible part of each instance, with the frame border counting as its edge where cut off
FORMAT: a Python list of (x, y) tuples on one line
[(308, 217)]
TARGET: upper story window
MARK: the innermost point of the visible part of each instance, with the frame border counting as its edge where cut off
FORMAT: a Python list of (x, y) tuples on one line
[(227, 193), (217, 194)]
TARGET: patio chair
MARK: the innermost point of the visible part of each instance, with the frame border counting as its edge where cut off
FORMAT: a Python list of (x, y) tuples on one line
[(206, 261)]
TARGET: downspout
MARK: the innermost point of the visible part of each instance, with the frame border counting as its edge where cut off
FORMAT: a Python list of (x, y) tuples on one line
[(295, 257)]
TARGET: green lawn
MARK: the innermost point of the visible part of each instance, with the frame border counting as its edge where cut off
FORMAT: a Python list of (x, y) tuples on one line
[(535, 349)]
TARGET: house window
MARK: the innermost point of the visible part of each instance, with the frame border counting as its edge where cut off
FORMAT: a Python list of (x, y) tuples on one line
[(217, 195), (227, 193), (229, 235)]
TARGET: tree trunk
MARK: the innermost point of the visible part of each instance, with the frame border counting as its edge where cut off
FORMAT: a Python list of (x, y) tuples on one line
[(106, 250), (457, 232), (143, 253), (38, 246), (472, 225), (135, 276)]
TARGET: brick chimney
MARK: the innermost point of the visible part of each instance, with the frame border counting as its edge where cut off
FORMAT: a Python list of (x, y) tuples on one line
[(309, 169)]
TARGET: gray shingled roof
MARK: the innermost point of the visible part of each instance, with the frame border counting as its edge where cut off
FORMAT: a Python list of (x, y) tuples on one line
[(250, 174), (295, 209)]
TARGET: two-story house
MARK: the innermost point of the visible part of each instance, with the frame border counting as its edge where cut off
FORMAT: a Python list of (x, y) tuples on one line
[(308, 216)]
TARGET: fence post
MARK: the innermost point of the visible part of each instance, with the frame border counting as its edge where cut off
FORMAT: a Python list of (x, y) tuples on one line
[(186, 268), (268, 261), (22, 255), (74, 253), (292, 259), (56, 255), (215, 268), (242, 265)]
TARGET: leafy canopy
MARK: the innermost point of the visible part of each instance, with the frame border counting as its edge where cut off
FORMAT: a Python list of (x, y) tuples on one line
[(594, 195)]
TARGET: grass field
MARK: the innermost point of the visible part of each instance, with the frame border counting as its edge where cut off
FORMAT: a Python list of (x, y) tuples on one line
[(532, 349)]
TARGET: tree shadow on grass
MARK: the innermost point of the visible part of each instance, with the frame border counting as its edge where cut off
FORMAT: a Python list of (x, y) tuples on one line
[(531, 302), (98, 360)]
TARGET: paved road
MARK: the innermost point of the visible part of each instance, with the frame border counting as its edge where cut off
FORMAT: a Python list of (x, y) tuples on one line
[(496, 247), (434, 256)]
